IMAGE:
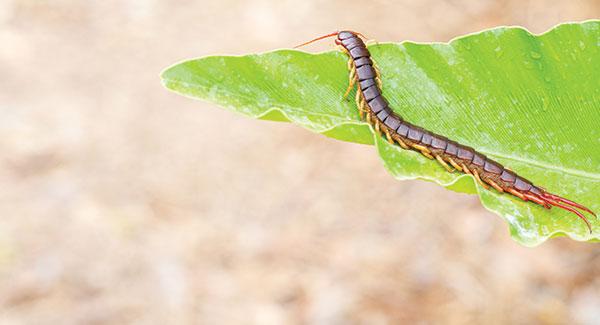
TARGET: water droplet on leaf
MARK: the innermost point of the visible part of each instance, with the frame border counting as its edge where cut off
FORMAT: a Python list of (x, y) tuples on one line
[(536, 55), (544, 104)]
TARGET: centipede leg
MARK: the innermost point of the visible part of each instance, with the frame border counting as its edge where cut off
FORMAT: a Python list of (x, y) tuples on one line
[(401, 142), (495, 186), (388, 136), (351, 81), (476, 174), (424, 150), (377, 127), (360, 104), (377, 75), (466, 170), (454, 164), (365, 109), (443, 163)]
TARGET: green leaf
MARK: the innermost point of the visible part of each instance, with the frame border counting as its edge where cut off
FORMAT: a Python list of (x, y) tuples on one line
[(530, 102)]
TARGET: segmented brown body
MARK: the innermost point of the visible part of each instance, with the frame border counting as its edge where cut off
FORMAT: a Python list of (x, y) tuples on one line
[(452, 155)]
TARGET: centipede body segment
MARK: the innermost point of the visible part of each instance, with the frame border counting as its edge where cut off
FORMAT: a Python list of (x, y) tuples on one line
[(453, 156)]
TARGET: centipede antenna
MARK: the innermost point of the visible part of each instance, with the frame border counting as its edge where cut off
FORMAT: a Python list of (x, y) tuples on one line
[(317, 39)]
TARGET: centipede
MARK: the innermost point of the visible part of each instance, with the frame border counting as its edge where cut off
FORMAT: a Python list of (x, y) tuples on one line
[(365, 77)]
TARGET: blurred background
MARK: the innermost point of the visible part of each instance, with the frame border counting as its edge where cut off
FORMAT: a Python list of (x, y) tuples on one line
[(123, 203)]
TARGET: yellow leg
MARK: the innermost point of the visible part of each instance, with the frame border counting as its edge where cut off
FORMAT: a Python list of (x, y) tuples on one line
[(401, 143), (377, 127), (454, 164), (495, 185), (419, 147), (476, 174), (351, 81), (427, 154), (441, 161), (388, 136), (364, 107), (377, 75), (360, 104), (466, 170), (424, 150)]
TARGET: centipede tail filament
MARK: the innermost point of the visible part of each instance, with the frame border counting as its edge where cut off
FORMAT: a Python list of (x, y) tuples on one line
[(453, 156)]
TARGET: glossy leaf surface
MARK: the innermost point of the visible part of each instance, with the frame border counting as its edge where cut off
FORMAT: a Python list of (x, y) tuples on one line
[(531, 102)]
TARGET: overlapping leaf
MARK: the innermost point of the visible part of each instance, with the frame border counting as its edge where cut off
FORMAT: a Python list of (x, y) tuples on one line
[(530, 102)]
